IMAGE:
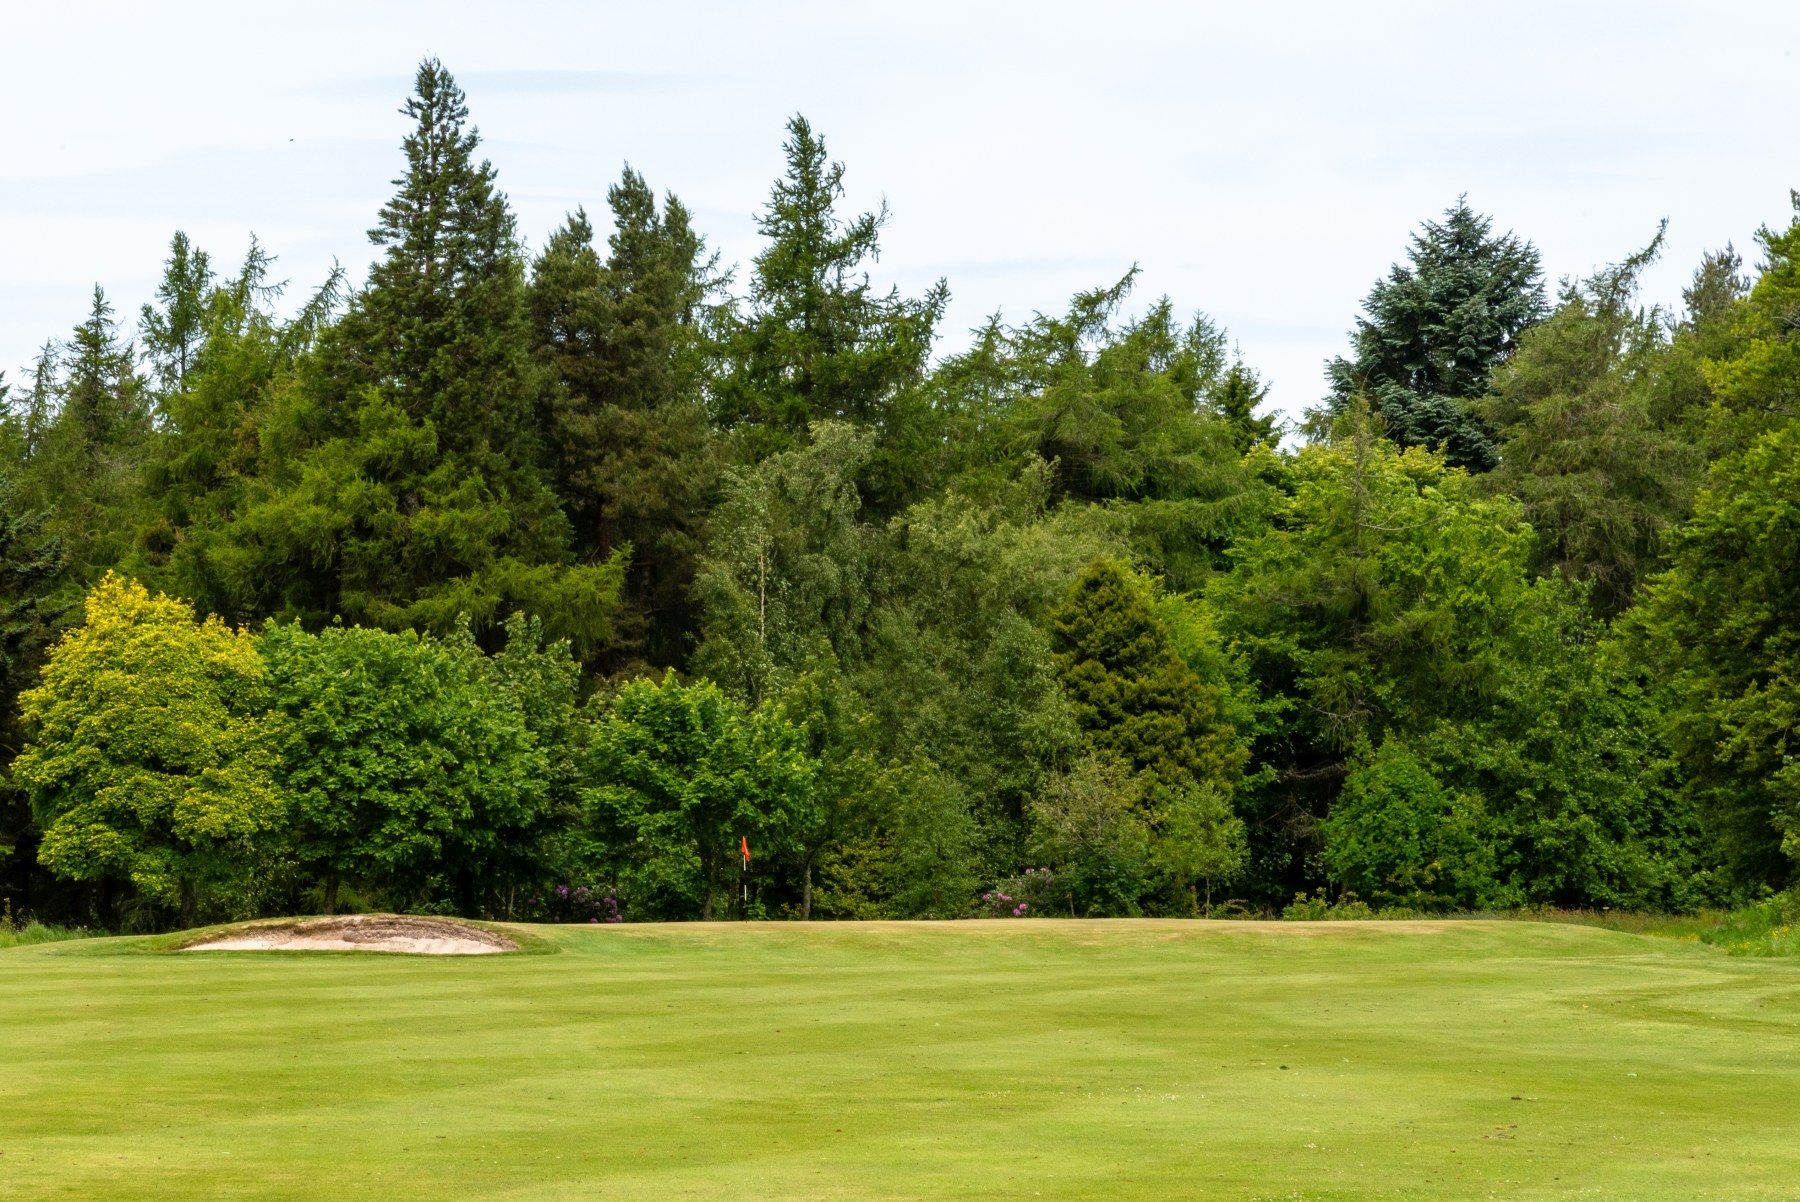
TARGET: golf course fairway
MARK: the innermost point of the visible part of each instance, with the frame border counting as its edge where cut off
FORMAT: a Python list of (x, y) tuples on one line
[(1028, 1059)]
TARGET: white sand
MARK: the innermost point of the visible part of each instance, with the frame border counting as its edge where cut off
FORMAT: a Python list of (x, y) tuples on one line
[(360, 933)]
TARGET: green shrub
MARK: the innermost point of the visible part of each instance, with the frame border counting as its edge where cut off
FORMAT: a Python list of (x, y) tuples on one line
[(1319, 908), (1398, 836)]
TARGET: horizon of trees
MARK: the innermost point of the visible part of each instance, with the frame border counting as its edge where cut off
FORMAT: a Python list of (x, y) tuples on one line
[(507, 577)]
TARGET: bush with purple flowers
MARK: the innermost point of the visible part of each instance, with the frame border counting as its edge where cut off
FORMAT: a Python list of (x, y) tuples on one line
[(1021, 896), (576, 903)]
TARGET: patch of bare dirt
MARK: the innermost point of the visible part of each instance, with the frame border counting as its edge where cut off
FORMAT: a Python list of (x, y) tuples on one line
[(402, 933)]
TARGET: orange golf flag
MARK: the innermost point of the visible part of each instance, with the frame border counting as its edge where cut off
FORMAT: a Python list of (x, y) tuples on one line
[(744, 842)]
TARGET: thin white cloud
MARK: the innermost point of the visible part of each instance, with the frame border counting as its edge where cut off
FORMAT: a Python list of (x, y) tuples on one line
[(1262, 163)]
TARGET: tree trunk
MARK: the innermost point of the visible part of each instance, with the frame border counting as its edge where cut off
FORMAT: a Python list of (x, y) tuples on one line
[(331, 891), (190, 904), (706, 904), (806, 894)]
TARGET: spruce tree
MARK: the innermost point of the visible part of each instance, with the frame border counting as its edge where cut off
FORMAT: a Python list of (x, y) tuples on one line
[(1433, 331), (1600, 481), (819, 340)]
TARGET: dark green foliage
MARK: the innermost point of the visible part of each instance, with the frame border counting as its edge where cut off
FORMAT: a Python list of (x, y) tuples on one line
[(1137, 700), (625, 424), (1397, 837), (175, 328), (1235, 399), (31, 610), (409, 495), (1132, 414), (87, 434), (1574, 409), (1434, 329), (819, 341), (440, 327)]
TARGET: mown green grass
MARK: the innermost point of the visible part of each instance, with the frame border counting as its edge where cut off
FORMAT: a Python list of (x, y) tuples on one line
[(997, 1060)]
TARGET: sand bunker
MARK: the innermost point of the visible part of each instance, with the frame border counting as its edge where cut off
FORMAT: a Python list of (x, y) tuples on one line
[(360, 933)]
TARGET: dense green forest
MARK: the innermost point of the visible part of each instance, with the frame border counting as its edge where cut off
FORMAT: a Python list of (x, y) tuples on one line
[(542, 583)]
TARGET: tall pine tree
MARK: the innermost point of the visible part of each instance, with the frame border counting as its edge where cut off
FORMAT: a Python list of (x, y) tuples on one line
[(626, 342), (406, 491), (1433, 330), (819, 340)]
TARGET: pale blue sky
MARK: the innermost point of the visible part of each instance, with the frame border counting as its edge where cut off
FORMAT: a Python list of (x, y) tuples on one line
[(1261, 162)]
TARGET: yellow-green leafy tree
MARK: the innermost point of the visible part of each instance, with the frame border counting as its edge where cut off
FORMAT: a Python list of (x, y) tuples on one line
[(150, 755)]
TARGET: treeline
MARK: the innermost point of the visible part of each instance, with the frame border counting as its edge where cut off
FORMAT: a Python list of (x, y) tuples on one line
[(544, 583)]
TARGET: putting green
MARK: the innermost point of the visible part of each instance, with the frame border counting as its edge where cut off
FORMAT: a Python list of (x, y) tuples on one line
[(885, 1060)]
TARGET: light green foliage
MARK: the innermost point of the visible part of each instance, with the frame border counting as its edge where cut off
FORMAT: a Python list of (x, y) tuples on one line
[(1384, 595), (847, 785), (934, 860), (1581, 787), (1198, 840), (1720, 626), (784, 577), (683, 773), (29, 933), (1751, 377), (1394, 600), (411, 763), (1433, 330), (151, 756), (1397, 836), (1385, 590), (959, 668), (1088, 826)]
